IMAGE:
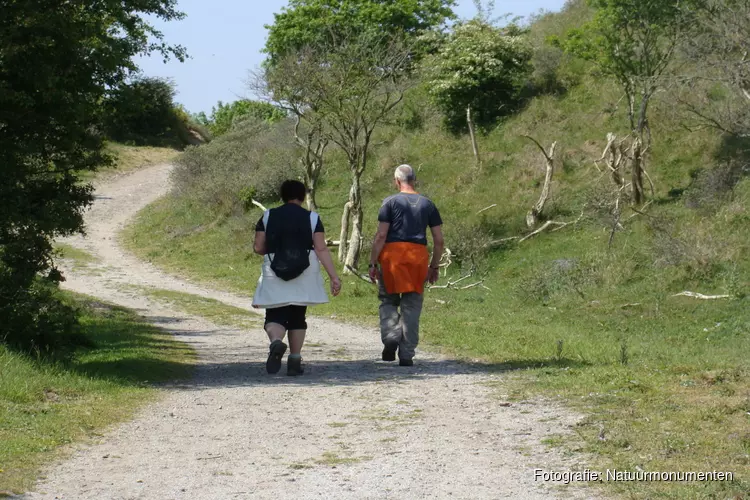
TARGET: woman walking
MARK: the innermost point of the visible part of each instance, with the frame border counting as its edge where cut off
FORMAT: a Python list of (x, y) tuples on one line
[(292, 242)]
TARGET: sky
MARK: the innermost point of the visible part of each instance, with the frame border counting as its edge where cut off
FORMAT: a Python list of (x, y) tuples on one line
[(225, 37)]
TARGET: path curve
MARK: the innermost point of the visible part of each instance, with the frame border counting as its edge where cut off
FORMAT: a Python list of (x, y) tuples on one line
[(351, 427)]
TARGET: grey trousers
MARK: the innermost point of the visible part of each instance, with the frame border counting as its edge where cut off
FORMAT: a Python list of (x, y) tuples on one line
[(400, 326)]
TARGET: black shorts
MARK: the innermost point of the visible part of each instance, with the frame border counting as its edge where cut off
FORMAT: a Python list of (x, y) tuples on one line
[(290, 317)]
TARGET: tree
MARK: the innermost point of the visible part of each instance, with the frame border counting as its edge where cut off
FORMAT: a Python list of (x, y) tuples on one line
[(478, 74), (285, 84), (718, 90), (141, 111), (633, 41), (306, 23), (57, 60), (224, 116), (346, 90)]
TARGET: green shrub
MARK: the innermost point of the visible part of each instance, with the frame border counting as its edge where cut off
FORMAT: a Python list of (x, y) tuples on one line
[(39, 321), (142, 112), (249, 162)]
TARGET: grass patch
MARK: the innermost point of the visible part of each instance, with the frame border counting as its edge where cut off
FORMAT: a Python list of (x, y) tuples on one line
[(333, 459), (44, 406), (80, 258), (211, 309), (130, 158)]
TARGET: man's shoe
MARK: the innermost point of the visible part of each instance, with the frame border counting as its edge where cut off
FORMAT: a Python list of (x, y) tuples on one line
[(405, 362), (294, 367), (276, 352), (389, 351)]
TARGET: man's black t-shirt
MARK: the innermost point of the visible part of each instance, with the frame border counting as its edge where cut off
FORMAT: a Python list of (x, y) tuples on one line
[(291, 222), (409, 215)]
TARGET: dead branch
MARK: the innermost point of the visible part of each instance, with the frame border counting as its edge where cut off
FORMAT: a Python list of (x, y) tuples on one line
[(697, 295), (259, 205), (487, 208), (642, 211), (472, 134), (452, 284), (532, 218), (542, 228), (495, 243), (363, 277), (332, 243)]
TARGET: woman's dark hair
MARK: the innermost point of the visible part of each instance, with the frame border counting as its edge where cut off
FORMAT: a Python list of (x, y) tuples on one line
[(293, 190)]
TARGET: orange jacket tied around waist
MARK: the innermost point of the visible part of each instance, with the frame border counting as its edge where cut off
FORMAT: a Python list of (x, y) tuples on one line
[(404, 267)]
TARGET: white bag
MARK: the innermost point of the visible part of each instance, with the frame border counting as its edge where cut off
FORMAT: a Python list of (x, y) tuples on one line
[(305, 290)]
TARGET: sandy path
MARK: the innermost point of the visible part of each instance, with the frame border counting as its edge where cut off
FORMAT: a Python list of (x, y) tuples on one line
[(351, 427)]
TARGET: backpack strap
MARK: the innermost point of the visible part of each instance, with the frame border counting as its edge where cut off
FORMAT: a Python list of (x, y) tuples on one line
[(266, 215)]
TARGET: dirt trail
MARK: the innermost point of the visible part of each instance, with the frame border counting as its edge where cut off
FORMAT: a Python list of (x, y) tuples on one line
[(351, 427)]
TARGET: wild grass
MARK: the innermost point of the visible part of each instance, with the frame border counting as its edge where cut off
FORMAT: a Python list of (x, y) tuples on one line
[(210, 309), (129, 158), (45, 406)]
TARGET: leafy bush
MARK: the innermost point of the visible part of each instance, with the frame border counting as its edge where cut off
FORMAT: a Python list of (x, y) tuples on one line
[(249, 162), (479, 67), (142, 112), (39, 321), (225, 116)]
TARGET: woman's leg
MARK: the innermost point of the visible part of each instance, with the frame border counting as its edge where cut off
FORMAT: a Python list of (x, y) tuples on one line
[(276, 329), (297, 329)]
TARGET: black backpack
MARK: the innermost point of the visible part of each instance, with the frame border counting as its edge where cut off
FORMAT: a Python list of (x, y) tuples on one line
[(292, 248)]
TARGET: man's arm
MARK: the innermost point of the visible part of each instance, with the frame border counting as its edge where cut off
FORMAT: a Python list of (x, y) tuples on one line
[(260, 243), (377, 246), (438, 245)]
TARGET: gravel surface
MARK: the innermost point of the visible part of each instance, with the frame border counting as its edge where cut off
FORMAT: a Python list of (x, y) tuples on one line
[(351, 427)]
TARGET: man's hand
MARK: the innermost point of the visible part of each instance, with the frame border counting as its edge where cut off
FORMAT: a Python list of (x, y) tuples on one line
[(335, 286), (373, 273), (433, 275)]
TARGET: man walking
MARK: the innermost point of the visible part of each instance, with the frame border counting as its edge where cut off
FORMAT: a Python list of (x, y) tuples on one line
[(400, 247)]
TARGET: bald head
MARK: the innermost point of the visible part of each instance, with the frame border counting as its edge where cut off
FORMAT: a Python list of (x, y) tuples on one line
[(404, 173)]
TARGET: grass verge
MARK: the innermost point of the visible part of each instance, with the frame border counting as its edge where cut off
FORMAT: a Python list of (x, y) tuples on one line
[(213, 310), (45, 405)]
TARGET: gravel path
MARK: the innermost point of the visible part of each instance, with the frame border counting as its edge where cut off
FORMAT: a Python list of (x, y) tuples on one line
[(351, 427)]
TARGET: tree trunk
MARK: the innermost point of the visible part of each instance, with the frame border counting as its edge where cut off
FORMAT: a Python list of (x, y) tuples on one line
[(472, 134), (344, 235), (310, 200), (355, 242), (356, 214), (532, 218), (637, 171)]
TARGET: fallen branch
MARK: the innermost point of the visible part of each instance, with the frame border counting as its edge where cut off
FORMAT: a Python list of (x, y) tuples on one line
[(332, 243), (550, 223), (363, 277), (697, 295), (543, 227), (487, 208), (259, 205), (499, 242), (642, 211), (450, 284)]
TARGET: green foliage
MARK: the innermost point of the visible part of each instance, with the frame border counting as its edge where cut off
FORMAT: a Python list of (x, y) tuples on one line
[(57, 63), (249, 162), (479, 67), (632, 40), (225, 116), (142, 112), (320, 22)]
